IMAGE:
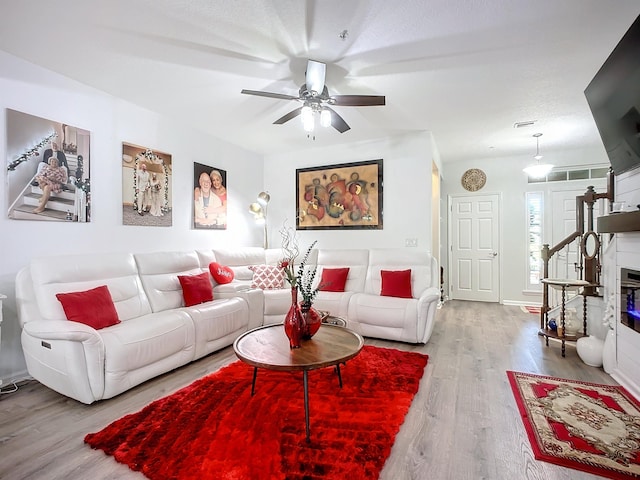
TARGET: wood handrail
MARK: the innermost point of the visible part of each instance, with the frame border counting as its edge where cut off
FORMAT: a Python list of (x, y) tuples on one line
[(591, 266)]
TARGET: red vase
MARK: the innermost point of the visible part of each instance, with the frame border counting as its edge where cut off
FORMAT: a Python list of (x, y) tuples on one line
[(294, 322), (312, 320)]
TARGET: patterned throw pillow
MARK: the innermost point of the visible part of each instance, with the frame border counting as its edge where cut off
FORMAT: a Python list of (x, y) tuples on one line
[(267, 277)]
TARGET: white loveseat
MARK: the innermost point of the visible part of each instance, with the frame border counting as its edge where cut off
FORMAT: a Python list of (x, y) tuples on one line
[(157, 333)]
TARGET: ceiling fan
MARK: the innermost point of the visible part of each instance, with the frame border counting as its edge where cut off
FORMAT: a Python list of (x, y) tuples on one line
[(315, 99)]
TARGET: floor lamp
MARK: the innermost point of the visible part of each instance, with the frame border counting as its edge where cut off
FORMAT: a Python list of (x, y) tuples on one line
[(259, 210)]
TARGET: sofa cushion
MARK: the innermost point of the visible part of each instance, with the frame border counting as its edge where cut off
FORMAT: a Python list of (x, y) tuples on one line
[(396, 283), (238, 259), (267, 277), (92, 307), (159, 275), (196, 289), (220, 273), (75, 273), (333, 279)]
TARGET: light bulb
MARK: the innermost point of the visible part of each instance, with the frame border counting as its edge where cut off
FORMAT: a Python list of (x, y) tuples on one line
[(325, 118), (307, 118), (538, 170)]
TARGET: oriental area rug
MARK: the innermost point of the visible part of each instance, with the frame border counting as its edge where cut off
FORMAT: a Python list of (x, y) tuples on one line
[(215, 429), (585, 426)]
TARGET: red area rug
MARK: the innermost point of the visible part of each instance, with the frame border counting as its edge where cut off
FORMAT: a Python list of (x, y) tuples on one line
[(214, 428), (586, 426)]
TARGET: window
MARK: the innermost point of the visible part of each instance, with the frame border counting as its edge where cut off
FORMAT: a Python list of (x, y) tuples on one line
[(534, 236)]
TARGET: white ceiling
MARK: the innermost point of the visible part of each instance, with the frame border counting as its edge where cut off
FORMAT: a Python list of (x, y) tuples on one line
[(466, 70)]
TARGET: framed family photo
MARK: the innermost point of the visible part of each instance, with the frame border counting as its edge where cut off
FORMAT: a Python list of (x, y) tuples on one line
[(342, 196), (47, 169), (146, 186), (209, 197)]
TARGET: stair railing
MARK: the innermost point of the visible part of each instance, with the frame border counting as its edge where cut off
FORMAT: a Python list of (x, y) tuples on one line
[(587, 266)]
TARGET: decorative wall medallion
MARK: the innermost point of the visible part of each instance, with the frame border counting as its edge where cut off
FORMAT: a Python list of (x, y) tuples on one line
[(473, 179)]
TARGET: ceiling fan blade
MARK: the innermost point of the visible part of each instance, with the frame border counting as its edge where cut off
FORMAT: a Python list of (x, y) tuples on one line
[(288, 116), (358, 100), (259, 93), (314, 78), (338, 122)]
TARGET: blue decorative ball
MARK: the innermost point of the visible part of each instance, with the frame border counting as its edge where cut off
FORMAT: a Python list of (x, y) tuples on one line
[(553, 325)]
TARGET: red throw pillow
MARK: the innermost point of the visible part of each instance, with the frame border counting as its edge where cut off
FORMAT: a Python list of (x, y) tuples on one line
[(220, 273), (196, 289), (92, 307), (396, 283), (334, 279)]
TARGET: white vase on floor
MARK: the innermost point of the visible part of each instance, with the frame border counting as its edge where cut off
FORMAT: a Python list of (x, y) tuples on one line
[(590, 350), (609, 352)]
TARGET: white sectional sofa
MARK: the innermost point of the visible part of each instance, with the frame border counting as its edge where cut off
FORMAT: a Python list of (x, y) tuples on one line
[(361, 305), (157, 333)]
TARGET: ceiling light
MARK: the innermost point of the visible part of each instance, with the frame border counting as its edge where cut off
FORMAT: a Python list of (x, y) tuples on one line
[(538, 170), (325, 117), (308, 121)]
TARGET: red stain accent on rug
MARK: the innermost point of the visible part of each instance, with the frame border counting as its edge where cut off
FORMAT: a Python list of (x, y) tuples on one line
[(529, 309), (214, 428), (586, 426)]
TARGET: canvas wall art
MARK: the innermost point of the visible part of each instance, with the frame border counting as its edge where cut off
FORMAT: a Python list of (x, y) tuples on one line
[(146, 186), (47, 169), (343, 196), (209, 197)]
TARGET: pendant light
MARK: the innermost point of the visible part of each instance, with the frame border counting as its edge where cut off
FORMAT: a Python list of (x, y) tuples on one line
[(538, 170)]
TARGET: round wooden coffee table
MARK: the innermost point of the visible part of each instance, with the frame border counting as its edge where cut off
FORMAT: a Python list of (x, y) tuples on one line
[(268, 347)]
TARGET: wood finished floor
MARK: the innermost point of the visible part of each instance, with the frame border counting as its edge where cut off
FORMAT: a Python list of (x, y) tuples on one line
[(463, 423)]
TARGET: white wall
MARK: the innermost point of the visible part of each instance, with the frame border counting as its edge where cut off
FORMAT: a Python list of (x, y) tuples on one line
[(33, 90), (627, 255), (505, 176), (406, 191)]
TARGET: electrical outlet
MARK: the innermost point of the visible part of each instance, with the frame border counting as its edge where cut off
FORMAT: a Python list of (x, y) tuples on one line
[(411, 242)]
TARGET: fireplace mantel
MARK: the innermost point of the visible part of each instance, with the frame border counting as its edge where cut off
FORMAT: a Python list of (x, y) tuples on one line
[(619, 222)]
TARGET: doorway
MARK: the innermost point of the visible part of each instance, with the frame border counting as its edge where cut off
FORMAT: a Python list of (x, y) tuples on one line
[(474, 264)]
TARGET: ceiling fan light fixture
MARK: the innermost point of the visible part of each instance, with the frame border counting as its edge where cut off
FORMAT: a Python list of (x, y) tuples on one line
[(325, 118), (308, 122)]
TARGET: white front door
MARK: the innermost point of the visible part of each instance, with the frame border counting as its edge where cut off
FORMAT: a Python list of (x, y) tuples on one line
[(475, 261)]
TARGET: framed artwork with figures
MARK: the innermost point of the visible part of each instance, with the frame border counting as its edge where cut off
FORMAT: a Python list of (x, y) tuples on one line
[(146, 186), (341, 196), (209, 197), (48, 165)]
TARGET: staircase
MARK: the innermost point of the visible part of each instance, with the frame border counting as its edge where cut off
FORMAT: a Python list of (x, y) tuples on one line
[(58, 206), (588, 269), (70, 204)]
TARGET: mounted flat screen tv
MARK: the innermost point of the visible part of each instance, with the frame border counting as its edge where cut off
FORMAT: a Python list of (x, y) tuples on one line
[(614, 99)]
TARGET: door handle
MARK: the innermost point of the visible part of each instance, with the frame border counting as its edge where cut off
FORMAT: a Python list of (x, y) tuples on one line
[(493, 254)]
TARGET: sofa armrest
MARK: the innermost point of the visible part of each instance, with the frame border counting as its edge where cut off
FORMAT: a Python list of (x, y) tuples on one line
[(62, 330), (427, 306), (253, 297), (66, 356)]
